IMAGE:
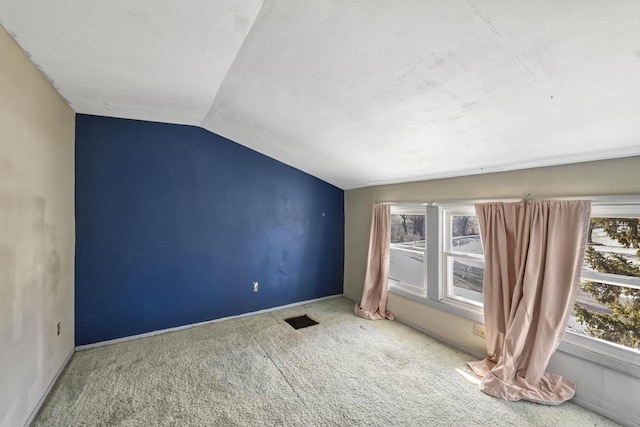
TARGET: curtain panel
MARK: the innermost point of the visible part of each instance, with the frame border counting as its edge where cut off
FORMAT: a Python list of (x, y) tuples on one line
[(534, 252), (374, 294)]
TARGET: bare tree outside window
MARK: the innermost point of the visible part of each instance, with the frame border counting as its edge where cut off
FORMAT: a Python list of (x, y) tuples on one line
[(407, 228), (461, 225)]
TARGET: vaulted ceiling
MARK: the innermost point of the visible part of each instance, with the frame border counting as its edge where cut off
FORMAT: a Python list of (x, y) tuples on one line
[(357, 92)]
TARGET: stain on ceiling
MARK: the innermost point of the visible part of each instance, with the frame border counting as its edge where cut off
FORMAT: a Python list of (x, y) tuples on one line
[(361, 92)]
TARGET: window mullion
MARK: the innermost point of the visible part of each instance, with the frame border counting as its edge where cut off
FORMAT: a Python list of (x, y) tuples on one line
[(463, 255), (611, 279), (433, 245)]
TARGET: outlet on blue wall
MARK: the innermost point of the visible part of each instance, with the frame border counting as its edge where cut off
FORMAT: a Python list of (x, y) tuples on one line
[(175, 223)]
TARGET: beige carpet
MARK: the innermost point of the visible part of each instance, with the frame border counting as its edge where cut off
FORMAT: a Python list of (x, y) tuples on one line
[(258, 371)]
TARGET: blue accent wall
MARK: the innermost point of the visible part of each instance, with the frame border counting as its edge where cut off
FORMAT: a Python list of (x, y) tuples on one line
[(174, 223)]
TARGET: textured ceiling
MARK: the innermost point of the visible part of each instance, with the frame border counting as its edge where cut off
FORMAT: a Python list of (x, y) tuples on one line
[(358, 92), (161, 60)]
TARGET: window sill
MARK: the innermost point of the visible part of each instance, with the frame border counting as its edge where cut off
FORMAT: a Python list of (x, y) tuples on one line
[(449, 307), (612, 356)]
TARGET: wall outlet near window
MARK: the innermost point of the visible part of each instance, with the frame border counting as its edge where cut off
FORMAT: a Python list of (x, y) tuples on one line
[(479, 330), (255, 286)]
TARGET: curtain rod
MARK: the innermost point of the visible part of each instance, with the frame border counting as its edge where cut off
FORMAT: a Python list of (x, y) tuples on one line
[(601, 199)]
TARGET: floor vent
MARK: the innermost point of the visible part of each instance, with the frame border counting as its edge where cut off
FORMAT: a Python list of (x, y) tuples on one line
[(300, 322)]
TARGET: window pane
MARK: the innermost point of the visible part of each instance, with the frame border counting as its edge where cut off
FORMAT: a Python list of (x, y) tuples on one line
[(465, 234), (407, 231), (606, 311), (406, 261), (467, 279), (406, 266), (614, 246)]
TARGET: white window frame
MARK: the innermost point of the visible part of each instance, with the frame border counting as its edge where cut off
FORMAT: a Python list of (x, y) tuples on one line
[(620, 358), (449, 255), (627, 359), (433, 294)]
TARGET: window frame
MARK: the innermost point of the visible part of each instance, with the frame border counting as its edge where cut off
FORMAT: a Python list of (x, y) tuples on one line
[(614, 356), (434, 295), (627, 359), (449, 255)]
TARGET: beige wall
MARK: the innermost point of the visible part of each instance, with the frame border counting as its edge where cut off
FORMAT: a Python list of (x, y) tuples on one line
[(621, 176), (37, 234)]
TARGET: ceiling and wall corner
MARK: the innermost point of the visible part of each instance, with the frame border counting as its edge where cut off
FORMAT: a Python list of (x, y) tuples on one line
[(357, 93), (156, 60)]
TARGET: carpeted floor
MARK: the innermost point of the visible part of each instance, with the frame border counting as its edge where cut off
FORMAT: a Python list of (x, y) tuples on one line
[(258, 370)]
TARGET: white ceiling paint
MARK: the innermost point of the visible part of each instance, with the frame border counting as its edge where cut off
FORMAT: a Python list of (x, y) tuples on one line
[(160, 60), (358, 92)]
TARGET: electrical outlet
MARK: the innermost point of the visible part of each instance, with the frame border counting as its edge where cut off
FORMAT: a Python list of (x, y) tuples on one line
[(255, 286), (479, 330), (59, 327)]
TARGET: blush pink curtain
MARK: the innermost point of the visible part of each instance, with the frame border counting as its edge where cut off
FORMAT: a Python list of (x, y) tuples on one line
[(533, 257), (374, 294)]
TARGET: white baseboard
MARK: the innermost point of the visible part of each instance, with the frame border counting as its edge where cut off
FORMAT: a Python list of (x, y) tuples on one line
[(431, 334), (605, 413), (191, 325), (48, 390), (442, 339), (578, 401), (351, 298)]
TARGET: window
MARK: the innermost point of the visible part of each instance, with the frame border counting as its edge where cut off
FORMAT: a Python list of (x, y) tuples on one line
[(408, 249), (436, 256), (463, 257), (607, 307)]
